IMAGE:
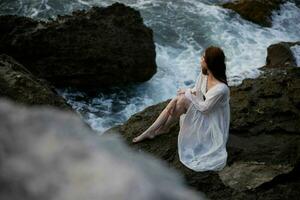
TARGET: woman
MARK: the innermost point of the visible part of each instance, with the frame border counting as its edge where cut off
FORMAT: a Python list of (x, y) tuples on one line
[(204, 116)]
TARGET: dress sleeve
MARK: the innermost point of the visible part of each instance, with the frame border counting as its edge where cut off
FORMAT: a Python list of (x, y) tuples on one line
[(212, 98), (197, 82), (193, 89)]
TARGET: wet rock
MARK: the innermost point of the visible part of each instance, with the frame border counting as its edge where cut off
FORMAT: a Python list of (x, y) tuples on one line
[(280, 55), (263, 145), (88, 49), (49, 154), (270, 105), (297, 2), (257, 11), (18, 84), (248, 175)]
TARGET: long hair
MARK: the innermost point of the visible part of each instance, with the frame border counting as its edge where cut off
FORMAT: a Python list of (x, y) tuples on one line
[(215, 60)]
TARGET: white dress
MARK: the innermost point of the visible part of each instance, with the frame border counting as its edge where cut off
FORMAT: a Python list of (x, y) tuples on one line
[(204, 128)]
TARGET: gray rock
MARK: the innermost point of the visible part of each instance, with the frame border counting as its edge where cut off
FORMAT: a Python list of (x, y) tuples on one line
[(18, 84), (280, 55), (49, 154), (248, 175), (257, 11)]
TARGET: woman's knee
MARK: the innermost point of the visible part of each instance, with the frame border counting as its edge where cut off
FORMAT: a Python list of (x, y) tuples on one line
[(180, 107), (181, 100), (184, 102)]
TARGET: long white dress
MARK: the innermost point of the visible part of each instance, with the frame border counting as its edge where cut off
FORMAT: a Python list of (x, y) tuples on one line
[(204, 128)]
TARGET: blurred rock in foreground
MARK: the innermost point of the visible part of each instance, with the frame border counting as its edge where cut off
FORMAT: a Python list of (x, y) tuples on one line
[(50, 154)]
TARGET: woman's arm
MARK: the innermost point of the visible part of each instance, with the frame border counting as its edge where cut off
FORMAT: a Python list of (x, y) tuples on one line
[(193, 89), (198, 81), (212, 98)]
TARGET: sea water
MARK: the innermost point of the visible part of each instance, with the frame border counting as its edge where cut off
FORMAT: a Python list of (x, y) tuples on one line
[(182, 30)]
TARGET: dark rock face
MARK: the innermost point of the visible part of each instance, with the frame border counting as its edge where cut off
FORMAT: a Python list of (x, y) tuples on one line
[(89, 49), (257, 11), (50, 154), (297, 2), (17, 83), (263, 145), (280, 55)]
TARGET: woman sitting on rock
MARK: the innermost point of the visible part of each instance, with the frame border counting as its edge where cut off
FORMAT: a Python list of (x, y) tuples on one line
[(204, 116)]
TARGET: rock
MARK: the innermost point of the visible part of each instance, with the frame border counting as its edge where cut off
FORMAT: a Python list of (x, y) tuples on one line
[(263, 145), (165, 148), (50, 154), (247, 175), (88, 49), (257, 11), (18, 84), (297, 2), (280, 54), (267, 104)]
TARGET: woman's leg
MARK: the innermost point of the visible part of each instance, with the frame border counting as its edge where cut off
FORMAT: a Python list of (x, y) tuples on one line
[(182, 106), (161, 119), (170, 114)]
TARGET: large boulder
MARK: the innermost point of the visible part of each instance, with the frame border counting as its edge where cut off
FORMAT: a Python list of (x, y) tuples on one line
[(263, 145), (280, 54), (49, 154), (257, 11), (18, 84), (88, 49)]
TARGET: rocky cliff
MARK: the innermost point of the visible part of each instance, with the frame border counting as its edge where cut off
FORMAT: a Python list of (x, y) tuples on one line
[(263, 145), (89, 49)]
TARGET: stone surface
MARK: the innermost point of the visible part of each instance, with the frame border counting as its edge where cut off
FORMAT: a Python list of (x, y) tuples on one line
[(263, 145), (248, 175), (88, 49), (257, 11), (18, 84), (280, 55), (49, 154)]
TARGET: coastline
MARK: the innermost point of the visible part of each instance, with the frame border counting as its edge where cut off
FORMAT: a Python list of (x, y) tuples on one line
[(264, 141)]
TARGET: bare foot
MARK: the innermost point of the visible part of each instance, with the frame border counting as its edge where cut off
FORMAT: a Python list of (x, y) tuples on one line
[(150, 135), (143, 136)]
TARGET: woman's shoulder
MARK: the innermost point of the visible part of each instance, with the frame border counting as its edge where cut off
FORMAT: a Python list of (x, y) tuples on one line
[(222, 88), (225, 89)]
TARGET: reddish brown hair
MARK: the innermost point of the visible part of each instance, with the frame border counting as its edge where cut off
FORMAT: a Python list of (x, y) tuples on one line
[(215, 60)]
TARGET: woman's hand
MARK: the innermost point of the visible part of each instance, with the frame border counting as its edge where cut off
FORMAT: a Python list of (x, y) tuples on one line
[(181, 91)]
